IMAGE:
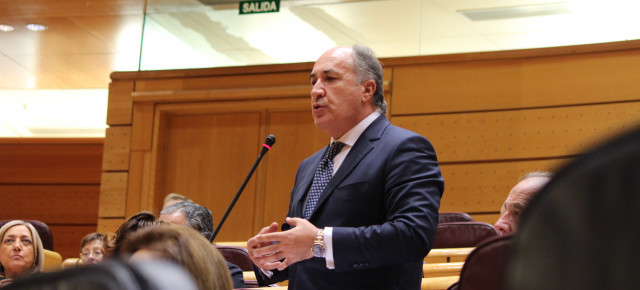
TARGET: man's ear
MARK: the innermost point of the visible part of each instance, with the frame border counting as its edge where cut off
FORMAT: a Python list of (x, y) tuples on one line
[(369, 88)]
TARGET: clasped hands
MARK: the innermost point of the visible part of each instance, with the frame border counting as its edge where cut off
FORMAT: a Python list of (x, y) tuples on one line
[(271, 249)]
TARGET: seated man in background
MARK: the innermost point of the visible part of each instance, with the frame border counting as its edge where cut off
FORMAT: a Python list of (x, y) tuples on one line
[(91, 248), (518, 198), (199, 218)]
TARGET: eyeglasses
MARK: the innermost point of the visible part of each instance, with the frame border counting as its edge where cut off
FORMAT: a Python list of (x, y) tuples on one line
[(94, 253)]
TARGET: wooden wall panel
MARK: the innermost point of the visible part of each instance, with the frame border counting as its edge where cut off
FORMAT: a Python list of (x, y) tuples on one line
[(568, 79), (138, 181), (67, 238), (56, 181), (223, 82), (117, 146), (113, 194), (56, 204), (517, 134), (109, 225), (120, 106), (142, 130), (31, 161), (207, 159), (482, 187)]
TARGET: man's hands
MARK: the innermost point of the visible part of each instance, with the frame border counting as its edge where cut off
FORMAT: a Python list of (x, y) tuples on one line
[(269, 247)]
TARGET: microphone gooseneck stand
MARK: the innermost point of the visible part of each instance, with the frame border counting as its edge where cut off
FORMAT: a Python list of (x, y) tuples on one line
[(265, 148)]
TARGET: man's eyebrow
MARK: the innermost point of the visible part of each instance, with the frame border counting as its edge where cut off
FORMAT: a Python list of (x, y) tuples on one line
[(518, 205), (324, 72)]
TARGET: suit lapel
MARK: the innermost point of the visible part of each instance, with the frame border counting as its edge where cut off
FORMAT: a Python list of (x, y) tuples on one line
[(362, 147)]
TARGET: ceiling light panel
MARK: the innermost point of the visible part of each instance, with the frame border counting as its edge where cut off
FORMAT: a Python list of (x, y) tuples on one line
[(499, 13)]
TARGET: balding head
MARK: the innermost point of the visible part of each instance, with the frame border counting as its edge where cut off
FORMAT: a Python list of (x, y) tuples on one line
[(518, 198)]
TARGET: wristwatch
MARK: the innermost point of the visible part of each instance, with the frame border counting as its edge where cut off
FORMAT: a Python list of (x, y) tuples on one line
[(318, 245)]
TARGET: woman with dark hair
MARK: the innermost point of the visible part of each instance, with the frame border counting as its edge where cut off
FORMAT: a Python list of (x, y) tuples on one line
[(21, 251), (138, 221)]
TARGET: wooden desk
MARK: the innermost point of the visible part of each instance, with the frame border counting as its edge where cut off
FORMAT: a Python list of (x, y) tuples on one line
[(438, 283), (447, 255), (442, 269)]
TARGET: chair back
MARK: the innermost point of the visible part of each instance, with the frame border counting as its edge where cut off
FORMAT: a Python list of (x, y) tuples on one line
[(71, 262), (450, 217), (462, 234), (485, 266), (236, 255), (52, 261), (43, 231)]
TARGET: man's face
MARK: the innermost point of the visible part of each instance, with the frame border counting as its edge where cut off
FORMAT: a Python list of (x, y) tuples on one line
[(16, 250), (517, 200), (176, 218), (338, 103)]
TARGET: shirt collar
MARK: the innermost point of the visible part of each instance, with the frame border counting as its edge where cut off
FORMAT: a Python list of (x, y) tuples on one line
[(354, 133)]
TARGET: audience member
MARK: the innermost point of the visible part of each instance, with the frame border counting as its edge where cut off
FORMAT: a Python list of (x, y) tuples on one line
[(199, 218), (172, 198), (91, 248), (21, 251), (183, 246), (518, 198), (366, 219), (140, 220)]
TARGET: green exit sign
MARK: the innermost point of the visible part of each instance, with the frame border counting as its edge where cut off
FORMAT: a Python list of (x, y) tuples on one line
[(252, 7)]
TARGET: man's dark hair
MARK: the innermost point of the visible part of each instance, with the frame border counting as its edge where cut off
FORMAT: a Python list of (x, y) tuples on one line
[(197, 216)]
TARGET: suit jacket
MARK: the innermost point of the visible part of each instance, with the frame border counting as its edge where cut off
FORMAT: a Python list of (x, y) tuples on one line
[(236, 275), (383, 206)]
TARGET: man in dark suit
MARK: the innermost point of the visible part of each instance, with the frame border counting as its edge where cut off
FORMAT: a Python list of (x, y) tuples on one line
[(369, 222)]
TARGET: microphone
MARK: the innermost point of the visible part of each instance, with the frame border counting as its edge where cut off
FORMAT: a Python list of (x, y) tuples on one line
[(268, 143)]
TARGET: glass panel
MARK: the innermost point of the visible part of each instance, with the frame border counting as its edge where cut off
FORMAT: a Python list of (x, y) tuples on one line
[(196, 34)]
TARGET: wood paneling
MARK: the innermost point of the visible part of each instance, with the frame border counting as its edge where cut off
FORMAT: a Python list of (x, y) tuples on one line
[(56, 181), (109, 225), (67, 238), (491, 117), (117, 146), (55, 204), (30, 161), (120, 106), (113, 194), (222, 82), (525, 82), (143, 127), (207, 159), (482, 187), (526, 133)]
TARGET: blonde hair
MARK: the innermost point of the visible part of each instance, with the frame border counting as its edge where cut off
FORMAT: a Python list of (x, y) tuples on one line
[(38, 250), (186, 247)]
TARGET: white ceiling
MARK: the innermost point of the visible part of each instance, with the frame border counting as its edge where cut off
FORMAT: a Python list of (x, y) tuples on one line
[(85, 43)]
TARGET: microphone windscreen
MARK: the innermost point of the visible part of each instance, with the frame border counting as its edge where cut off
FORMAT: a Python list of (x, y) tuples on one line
[(270, 140)]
